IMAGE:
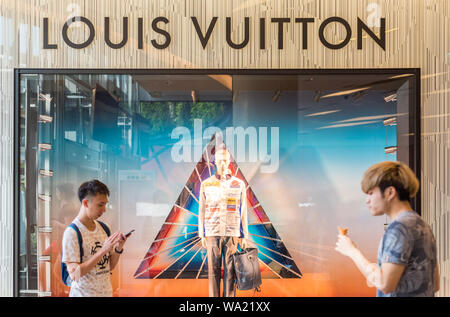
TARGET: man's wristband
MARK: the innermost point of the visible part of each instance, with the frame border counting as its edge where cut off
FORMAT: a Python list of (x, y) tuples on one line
[(117, 251)]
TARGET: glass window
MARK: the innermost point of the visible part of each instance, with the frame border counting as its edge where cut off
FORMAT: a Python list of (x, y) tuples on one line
[(299, 142)]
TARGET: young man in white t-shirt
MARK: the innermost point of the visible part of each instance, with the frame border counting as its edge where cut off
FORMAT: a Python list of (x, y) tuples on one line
[(91, 276)]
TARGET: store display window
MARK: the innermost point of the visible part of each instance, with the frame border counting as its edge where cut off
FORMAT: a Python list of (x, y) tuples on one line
[(300, 140)]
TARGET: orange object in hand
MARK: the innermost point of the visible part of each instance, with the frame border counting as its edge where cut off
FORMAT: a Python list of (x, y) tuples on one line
[(343, 231)]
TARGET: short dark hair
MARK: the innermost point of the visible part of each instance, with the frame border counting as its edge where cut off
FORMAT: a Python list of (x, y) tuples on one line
[(92, 188)]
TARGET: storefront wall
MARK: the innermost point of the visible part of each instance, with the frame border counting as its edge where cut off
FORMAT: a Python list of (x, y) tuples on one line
[(416, 37)]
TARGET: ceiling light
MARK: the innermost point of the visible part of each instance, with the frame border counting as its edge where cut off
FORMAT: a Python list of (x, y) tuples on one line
[(45, 146), (391, 97), (124, 121), (401, 76), (45, 97), (317, 96), (44, 118), (75, 96), (194, 96), (358, 95), (48, 173), (345, 92), (390, 121), (45, 197), (390, 149), (321, 113), (276, 95)]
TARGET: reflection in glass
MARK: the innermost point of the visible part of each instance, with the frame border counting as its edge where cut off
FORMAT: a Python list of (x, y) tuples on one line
[(120, 129)]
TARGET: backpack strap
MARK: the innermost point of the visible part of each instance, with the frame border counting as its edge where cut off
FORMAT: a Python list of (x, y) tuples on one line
[(80, 239), (105, 228), (64, 274)]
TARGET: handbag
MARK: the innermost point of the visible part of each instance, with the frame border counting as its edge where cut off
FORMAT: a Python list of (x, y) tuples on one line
[(247, 271)]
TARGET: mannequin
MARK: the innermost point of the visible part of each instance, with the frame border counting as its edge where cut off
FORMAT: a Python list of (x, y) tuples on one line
[(222, 223)]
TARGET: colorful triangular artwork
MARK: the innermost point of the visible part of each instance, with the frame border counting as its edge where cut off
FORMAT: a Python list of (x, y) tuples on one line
[(177, 253)]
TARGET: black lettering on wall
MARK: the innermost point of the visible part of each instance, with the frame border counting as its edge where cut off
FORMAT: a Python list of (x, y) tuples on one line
[(280, 22), (304, 22), (204, 39), (46, 44), (140, 33), (322, 35), (246, 35), (162, 32), (163, 41), (381, 41), (124, 36), (262, 33), (91, 32)]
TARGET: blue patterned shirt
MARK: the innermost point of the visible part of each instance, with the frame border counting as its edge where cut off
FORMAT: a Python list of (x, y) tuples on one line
[(409, 240)]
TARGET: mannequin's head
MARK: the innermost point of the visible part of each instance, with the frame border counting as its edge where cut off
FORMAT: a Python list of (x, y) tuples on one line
[(222, 160)]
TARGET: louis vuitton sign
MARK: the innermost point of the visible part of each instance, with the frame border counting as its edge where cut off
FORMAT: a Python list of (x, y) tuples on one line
[(163, 38)]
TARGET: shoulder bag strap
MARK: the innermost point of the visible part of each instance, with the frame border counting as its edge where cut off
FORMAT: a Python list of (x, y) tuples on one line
[(105, 228), (80, 239)]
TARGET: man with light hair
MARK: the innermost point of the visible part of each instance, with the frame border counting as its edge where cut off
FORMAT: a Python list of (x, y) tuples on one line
[(407, 264)]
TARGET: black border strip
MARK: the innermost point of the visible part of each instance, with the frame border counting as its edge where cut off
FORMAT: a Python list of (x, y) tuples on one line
[(415, 107), (417, 168), (16, 182), (227, 71)]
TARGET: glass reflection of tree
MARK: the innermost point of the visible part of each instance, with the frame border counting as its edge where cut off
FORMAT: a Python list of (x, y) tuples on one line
[(158, 116), (163, 116), (209, 112)]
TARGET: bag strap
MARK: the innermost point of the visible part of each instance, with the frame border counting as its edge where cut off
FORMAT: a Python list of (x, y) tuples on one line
[(235, 275), (105, 228), (80, 239), (257, 288)]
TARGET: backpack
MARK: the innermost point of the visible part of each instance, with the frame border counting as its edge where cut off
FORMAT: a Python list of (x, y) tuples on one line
[(64, 273)]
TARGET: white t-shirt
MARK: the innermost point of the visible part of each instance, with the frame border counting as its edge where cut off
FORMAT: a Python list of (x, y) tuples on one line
[(97, 282)]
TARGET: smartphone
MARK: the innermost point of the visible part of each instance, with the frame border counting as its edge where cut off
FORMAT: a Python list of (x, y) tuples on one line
[(129, 233)]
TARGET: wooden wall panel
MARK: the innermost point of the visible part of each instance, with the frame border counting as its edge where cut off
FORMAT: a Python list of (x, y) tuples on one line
[(417, 36), (435, 125), (7, 63)]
